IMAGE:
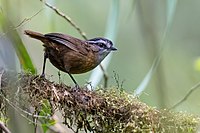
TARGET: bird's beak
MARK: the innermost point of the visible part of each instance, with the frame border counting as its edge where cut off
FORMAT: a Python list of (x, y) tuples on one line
[(113, 49)]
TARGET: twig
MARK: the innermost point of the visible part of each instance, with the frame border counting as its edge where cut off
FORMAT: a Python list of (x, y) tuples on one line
[(23, 22), (186, 96), (66, 18), (18, 109), (117, 80), (4, 128), (27, 19), (1, 73), (116, 77), (105, 76)]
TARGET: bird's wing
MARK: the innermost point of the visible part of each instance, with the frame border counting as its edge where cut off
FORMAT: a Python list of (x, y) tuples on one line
[(69, 41)]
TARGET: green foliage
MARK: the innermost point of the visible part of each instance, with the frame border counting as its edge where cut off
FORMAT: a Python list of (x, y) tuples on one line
[(10, 31), (22, 53), (45, 111)]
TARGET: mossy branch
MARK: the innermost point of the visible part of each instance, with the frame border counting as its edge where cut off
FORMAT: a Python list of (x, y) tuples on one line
[(106, 111)]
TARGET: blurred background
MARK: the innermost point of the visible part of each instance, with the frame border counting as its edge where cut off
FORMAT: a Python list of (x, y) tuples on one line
[(142, 28)]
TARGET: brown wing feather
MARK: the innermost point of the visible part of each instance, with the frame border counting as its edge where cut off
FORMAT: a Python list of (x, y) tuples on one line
[(63, 39), (69, 41)]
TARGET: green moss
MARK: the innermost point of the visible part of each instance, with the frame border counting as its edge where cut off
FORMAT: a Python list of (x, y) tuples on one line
[(102, 111)]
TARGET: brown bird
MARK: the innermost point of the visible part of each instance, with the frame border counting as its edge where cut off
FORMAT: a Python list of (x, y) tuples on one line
[(72, 55)]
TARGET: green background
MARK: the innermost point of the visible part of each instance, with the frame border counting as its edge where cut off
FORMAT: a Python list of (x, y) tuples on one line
[(140, 30)]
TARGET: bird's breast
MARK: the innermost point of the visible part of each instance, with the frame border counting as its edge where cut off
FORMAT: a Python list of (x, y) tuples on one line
[(71, 61), (84, 63)]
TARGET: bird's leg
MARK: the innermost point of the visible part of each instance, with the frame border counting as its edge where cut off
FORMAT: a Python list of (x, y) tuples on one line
[(59, 78), (44, 63), (76, 85)]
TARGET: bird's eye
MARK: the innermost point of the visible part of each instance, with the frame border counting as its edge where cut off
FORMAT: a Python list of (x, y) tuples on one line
[(101, 45)]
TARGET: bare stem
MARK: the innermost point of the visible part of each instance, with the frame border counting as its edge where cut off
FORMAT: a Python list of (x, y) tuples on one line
[(67, 18), (4, 128), (196, 86)]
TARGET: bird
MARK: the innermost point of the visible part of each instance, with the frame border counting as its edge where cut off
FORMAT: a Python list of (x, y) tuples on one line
[(70, 54)]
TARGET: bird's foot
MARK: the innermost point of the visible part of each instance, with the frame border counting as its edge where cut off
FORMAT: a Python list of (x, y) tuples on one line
[(76, 88), (42, 75)]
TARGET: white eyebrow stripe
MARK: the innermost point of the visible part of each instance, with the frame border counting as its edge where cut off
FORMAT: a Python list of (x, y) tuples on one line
[(98, 41)]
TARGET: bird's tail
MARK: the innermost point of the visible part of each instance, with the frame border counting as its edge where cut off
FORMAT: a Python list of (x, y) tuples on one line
[(35, 35)]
